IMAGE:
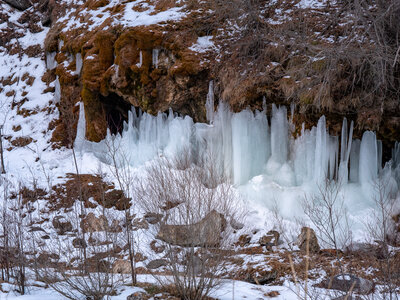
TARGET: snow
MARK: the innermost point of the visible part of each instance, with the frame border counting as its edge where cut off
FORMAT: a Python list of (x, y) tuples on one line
[(128, 18), (203, 44)]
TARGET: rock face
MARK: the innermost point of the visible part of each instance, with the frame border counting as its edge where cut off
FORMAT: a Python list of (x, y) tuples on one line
[(19, 4), (206, 233), (308, 238), (346, 282)]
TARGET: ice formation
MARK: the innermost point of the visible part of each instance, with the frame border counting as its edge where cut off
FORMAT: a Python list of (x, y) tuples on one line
[(78, 63), (51, 62), (57, 91), (259, 156), (155, 54)]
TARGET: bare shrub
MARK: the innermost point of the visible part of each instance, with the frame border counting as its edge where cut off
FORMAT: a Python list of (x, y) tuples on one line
[(195, 206)]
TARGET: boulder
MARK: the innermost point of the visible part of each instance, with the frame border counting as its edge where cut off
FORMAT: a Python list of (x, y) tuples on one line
[(138, 296), (154, 245), (19, 4), (236, 225), (308, 238), (79, 243), (122, 266), (266, 278), (270, 239), (94, 224), (346, 281), (243, 240), (153, 218), (205, 233), (156, 263), (61, 225)]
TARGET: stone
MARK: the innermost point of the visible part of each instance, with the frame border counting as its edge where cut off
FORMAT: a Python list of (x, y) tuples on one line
[(270, 239), (156, 247), (79, 243), (205, 233), (243, 240), (91, 223), (153, 218), (379, 250), (308, 237), (347, 297), (139, 223), (264, 279), (346, 281), (36, 228), (19, 4), (236, 225), (122, 266), (138, 296), (156, 263), (61, 225)]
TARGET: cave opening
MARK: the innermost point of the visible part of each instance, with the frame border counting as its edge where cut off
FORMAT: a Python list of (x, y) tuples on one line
[(116, 110)]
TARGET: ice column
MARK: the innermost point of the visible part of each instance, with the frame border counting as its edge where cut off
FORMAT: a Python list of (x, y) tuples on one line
[(345, 149), (57, 91), (78, 63), (279, 134), (368, 165), (80, 129), (155, 57), (210, 103), (51, 62)]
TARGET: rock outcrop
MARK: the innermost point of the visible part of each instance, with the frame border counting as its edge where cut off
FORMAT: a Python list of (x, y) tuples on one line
[(206, 233), (307, 240)]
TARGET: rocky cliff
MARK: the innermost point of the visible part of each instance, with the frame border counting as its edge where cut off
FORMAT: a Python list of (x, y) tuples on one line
[(321, 56)]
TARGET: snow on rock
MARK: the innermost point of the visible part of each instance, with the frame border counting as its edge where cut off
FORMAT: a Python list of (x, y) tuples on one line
[(203, 44)]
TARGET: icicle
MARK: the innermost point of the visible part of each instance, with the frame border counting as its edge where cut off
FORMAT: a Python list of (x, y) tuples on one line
[(210, 103), (57, 91), (368, 165), (78, 63), (321, 152), (80, 129), (139, 64), (155, 57), (279, 134), (354, 161), (345, 149), (51, 62), (60, 44)]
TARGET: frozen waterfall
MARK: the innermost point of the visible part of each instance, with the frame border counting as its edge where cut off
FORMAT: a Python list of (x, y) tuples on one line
[(249, 150)]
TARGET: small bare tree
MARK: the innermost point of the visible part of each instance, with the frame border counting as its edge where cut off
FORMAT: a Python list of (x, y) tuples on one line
[(381, 228), (327, 213), (195, 205)]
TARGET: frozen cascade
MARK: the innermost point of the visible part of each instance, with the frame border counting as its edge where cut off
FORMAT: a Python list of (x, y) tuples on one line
[(262, 158)]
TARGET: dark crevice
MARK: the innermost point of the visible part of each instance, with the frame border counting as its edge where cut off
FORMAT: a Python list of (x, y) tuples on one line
[(116, 109)]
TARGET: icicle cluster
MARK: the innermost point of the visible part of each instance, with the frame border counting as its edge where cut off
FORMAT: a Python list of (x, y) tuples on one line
[(245, 144)]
